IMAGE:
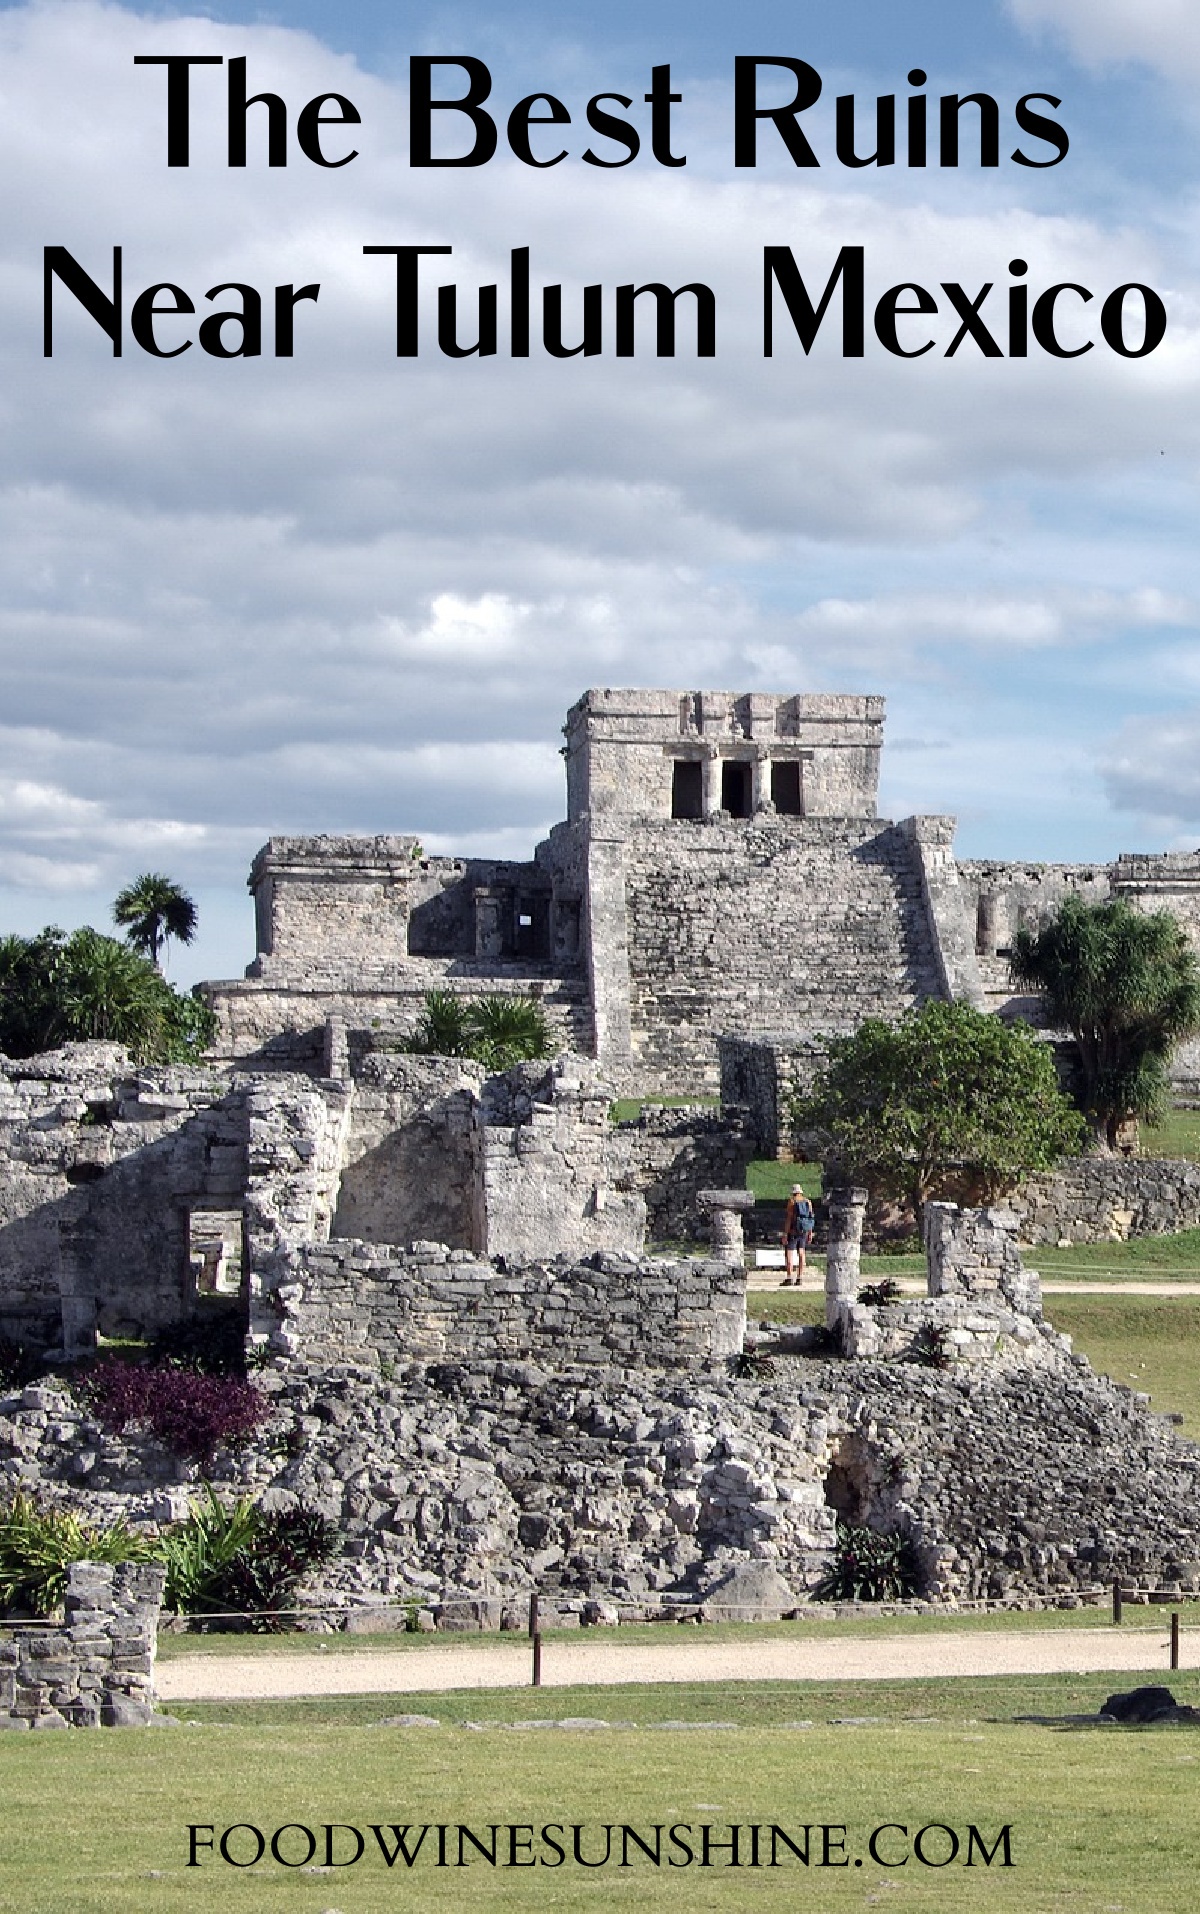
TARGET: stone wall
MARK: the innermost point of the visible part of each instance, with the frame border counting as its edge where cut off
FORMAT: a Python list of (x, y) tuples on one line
[(671, 1154), (97, 1669), (1098, 1199), (364, 1303), (762, 925), (408, 1167), (550, 1178), (102, 1168)]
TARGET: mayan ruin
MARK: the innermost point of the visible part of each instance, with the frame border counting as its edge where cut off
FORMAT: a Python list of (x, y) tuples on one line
[(504, 1338)]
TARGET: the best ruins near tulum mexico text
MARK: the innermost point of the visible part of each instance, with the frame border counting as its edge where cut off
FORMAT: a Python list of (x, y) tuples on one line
[(476, 1368)]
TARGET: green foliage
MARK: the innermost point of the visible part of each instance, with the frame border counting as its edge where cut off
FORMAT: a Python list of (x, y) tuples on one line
[(869, 1566), (241, 1560), (38, 1546), (197, 1552), (152, 910), (497, 1031), (507, 1030), (948, 1103), (1127, 985), (880, 1295), (931, 1347), (57, 988)]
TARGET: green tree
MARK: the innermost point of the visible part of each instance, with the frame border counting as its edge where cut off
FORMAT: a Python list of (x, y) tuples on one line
[(949, 1104), (1127, 986), (151, 911), (56, 989)]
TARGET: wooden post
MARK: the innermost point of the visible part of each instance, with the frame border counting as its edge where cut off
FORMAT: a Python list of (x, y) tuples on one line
[(1117, 1601), (535, 1636), (1175, 1638)]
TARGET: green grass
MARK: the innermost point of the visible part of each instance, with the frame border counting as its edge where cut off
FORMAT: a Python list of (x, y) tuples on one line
[(656, 1634), (1177, 1136), (1147, 1342), (1157, 1258), (772, 1181), (97, 1823), (996, 1700)]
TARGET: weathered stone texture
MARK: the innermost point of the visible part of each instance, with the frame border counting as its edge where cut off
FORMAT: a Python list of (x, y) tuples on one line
[(757, 926), (1020, 1480), (97, 1669), (101, 1166), (360, 1303), (1097, 1199)]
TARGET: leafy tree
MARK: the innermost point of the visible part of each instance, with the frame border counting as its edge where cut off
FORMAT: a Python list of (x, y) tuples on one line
[(947, 1104), (1126, 984), (56, 989), (152, 910)]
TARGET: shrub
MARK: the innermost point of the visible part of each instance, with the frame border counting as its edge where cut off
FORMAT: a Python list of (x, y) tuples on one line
[(869, 1566), (241, 1560), (497, 1031), (931, 1347), (37, 1546), (880, 1295), (193, 1415)]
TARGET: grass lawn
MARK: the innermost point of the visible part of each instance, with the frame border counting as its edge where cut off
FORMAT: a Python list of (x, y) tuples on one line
[(97, 1823), (1178, 1135)]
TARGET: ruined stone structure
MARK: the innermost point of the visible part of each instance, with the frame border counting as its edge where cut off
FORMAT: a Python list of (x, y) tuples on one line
[(721, 870), (96, 1669), (477, 1370)]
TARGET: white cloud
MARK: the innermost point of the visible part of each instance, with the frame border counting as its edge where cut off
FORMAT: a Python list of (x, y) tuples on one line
[(1152, 769), (1161, 33), (351, 591)]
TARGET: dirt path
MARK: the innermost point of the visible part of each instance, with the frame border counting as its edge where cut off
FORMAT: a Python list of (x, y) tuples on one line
[(607, 1663)]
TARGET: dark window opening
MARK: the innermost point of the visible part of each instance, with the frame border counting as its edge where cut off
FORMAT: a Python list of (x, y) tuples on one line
[(687, 788), (735, 788), (533, 927), (785, 789)]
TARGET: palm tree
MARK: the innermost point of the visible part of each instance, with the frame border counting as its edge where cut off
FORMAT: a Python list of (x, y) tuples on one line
[(1127, 985), (152, 910)]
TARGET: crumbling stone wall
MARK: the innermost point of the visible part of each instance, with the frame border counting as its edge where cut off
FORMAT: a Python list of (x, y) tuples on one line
[(549, 1179), (1098, 1199), (460, 1485), (364, 1303), (408, 1167), (101, 1166), (671, 1154), (97, 1669)]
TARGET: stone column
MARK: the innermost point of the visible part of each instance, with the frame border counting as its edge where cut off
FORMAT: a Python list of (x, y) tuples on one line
[(725, 1211), (489, 921), (712, 781), (847, 1208), (761, 799)]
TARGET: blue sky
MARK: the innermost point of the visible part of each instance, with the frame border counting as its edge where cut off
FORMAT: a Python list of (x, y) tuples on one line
[(346, 592)]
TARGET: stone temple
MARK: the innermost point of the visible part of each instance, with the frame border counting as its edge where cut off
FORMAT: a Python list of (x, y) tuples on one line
[(476, 1368), (722, 869)]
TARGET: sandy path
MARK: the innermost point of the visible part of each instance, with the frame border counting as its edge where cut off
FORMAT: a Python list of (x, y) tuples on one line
[(760, 1280), (604, 1664)]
